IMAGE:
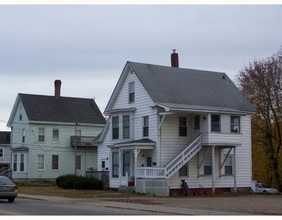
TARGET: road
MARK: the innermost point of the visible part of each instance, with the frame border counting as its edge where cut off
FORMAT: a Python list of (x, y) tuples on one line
[(23, 206)]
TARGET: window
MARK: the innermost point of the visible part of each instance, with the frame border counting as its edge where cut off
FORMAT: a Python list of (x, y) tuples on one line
[(208, 165), (197, 122), (23, 135), (19, 160), (115, 125), (126, 127), (55, 162), (126, 163), (22, 162), (183, 171), (21, 113), (78, 162), (215, 123), (228, 165), (145, 126), (40, 162), (15, 164), (183, 126), (131, 92), (115, 164), (41, 135), (1, 152), (235, 124), (55, 135)]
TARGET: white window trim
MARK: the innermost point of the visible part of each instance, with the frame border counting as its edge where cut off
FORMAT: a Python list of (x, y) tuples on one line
[(38, 162)]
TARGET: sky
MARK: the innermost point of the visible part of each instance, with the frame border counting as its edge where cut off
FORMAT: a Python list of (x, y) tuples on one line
[(87, 46)]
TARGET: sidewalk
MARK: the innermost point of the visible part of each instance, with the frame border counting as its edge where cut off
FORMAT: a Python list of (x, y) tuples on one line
[(173, 208)]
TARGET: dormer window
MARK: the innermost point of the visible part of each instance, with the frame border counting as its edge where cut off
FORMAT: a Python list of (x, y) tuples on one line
[(131, 92)]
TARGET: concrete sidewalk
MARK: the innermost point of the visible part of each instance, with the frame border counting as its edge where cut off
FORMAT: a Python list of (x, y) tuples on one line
[(175, 209)]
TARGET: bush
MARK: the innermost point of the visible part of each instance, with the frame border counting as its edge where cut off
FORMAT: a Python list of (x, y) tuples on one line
[(78, 182)]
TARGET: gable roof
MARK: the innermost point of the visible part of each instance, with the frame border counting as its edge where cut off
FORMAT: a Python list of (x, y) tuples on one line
[(61, 109), (181, 88)]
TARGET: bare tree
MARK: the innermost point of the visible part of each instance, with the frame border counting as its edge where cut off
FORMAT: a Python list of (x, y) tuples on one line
[(261, 83)]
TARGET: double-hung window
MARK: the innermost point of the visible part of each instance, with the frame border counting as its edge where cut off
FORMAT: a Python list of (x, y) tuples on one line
[(126, 127), (40, 162), (23, 135), (182, 126), (55, 135), (115, 127), (55, 162), (78, 162), (215, 123), (145, 126), (115, 164), (41, 135), (131, 92), (208, 164), (235, 124), (228, 165)]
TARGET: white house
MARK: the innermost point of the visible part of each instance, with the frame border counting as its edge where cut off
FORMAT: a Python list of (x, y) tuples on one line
[(169, 125), (5, 152), (53, 135)]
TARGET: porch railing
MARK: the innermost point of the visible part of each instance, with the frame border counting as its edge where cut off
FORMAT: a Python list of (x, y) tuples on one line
[(83, 141), (173, 166)]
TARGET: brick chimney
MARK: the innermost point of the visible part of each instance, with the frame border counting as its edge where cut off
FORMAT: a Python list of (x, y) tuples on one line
[(58, 84), (174, 59)]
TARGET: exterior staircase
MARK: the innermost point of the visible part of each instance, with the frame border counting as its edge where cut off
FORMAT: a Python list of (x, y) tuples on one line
[(190, 151)]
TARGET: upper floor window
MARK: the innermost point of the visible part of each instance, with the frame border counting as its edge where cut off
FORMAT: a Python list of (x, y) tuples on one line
[(131, 92), (23, 135), (145, 126), (115, 127), (126, 126), (215, 123), (197, 122), (41, 135), (55, 135), (183, 126), (235, 124), (21, 113)]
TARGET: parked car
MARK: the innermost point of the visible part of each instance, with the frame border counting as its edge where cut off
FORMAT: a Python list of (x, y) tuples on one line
[(264, 188), (8, 189)]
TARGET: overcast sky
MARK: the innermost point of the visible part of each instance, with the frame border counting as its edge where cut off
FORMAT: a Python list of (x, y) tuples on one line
[(87, 46)]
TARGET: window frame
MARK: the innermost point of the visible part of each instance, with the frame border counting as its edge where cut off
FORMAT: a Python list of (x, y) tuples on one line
[(208, 165), (126, 127), (182, 127), (55, 162), (78, 162), (54, 138), (41, 137), (115, 127), (215, 124), (40, 162), (1, 152), (145, 126), (115, 164), (234, 125), (131, 92), (184, 171), (197, 122), (228, 165), (126, 163)]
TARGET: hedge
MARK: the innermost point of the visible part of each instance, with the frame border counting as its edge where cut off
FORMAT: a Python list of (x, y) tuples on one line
[(78, 182)]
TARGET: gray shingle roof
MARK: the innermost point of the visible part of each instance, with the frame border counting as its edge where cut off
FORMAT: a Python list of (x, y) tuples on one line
[(61, 109), (189, 87)]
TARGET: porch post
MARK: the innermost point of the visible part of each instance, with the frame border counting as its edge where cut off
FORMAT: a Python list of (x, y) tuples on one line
[(136, 152), (235, 169), (213, 170)]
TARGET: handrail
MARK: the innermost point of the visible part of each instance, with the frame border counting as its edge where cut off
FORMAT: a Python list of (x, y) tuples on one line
[(183, 155)]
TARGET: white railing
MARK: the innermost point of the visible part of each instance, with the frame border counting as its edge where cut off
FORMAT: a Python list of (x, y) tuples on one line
[(183, 157), (174, 165)]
